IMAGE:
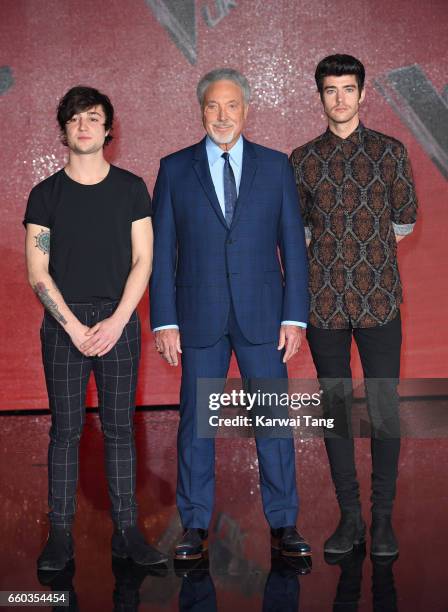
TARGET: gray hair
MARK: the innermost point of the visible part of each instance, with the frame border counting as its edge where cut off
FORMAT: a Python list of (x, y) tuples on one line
[(223, 74)]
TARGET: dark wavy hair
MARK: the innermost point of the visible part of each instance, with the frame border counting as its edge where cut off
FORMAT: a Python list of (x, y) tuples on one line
[(78, 99), (339, 65)]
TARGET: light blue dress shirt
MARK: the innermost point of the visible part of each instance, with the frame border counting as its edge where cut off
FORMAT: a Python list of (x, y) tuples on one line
[(216, 165)]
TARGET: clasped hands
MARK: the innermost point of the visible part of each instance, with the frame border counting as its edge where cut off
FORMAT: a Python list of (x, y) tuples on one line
[(167, 343), (98, 340)]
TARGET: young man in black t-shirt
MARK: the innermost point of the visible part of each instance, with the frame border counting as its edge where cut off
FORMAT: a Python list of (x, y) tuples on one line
[(90, 281)]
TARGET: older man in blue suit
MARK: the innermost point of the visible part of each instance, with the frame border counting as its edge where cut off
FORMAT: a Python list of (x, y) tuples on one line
[(224, 209)]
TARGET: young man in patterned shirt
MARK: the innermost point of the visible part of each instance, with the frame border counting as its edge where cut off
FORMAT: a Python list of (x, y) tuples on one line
[(358, 201)]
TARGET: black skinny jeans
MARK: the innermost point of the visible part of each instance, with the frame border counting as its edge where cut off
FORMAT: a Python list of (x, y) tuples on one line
[(379, 350)]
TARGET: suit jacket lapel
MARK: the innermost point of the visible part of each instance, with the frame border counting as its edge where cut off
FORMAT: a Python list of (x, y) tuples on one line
[(200, 164), (247, 176)]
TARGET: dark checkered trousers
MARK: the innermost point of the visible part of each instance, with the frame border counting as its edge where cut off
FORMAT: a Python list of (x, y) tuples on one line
[(67, 372)]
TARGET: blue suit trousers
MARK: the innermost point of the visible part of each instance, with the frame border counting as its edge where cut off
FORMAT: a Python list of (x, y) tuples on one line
[(196, 455)]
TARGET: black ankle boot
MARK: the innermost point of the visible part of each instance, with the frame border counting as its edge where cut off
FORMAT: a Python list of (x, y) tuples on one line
[(129, 543), (58, 550), (350, 532), (384, 542)]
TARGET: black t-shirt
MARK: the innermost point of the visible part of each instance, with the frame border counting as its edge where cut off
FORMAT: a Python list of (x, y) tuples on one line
[(90, 225)]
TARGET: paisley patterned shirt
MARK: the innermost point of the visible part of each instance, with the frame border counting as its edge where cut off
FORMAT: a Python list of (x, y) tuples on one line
[(356, 194)]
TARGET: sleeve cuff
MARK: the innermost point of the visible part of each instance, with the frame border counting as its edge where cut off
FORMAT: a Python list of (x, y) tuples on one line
[(298, 323), (403, 229), (307, 233), (165, 327), (35, 222)]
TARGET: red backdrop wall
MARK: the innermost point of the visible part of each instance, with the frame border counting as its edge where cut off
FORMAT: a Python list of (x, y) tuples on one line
[(148, 56)]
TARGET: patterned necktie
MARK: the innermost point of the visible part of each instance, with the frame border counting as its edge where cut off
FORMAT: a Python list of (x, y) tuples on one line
[(230, 195)]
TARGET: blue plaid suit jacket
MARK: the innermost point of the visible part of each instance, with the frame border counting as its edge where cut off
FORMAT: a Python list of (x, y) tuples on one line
[(200, 265)]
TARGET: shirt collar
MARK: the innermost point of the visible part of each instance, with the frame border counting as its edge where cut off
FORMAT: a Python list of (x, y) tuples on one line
[(355, 137), (214, 152)]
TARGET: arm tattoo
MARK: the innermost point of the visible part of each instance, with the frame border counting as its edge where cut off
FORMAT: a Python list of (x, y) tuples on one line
[(42, 293), (43, 241)]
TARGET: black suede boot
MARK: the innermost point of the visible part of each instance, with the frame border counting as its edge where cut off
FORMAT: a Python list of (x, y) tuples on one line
[(58, 550), (129, 543), (384, 542), (350, 532)]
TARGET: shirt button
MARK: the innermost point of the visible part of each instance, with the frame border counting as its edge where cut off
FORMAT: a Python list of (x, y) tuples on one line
[(230, 241)]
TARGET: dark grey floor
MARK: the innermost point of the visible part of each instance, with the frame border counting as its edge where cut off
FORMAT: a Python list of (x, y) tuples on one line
[(240, 574)]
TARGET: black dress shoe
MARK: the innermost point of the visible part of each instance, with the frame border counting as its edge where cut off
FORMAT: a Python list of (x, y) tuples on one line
[(289, 542), (58, 550), (384, 542), (193, 545), (350, 532), (129, 543)]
